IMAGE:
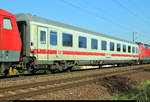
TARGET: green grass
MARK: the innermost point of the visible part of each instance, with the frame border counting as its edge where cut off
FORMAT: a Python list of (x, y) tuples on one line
[(141, 92)]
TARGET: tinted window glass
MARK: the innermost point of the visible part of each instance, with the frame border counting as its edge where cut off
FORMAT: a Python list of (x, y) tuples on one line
[(67, 40), (129, 49), (137, 50), (43, 37), (94, 44), (53, 38), (112, 47), (82, 42), (124, 48), (133, 49), (7, 23), (104, 45), (118, 47)]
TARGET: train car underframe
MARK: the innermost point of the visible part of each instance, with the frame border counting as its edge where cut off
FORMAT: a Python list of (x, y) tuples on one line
[(28, 63)]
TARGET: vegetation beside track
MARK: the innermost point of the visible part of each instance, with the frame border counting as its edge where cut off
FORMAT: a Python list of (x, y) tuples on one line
[(141, 92)]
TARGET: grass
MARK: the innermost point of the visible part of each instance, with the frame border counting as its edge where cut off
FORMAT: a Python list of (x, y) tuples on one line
[(141, 92)]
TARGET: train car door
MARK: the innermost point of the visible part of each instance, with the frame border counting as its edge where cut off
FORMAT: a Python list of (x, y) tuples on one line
[(53, 44), (42, 45)]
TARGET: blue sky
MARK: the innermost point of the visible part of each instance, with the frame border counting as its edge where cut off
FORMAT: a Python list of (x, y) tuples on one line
[(118, 18)]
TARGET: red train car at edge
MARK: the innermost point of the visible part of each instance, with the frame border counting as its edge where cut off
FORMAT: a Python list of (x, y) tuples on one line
[(144, 53), (10, 42)]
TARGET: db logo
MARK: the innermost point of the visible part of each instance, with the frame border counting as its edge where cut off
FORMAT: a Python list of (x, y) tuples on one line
[(59, 52)]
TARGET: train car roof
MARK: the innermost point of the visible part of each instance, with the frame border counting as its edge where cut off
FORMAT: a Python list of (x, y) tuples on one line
[(29, 17)]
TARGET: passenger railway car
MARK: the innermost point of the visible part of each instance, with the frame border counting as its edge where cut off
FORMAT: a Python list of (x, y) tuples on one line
[(61, 45), (44, 44)]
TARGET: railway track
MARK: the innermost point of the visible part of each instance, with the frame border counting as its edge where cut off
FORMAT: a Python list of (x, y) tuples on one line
[(29, 90), (28, 76)]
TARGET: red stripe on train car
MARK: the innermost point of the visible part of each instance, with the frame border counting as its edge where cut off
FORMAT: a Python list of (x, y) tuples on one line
[(83, 53), (124, 55), (42, 51), (52, 52)]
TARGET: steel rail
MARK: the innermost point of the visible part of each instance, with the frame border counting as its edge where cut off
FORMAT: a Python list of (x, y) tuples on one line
[(62, 81)]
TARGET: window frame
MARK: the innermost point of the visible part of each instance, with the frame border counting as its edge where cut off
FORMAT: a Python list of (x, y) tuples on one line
[(133, 49), (5, 26), (84, 43), (56, 35), (118, 47), (129, 49), (137, 50), (104, 48), (112, 46), (41, 40), (71, 44), (124, 48), (94, 42)]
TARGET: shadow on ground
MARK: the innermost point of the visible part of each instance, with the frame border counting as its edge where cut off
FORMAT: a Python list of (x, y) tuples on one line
[(117, 84), (147, 70)]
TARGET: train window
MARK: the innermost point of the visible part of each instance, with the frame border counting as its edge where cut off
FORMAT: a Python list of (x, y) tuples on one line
[(124, 48), (7, 23), (104, 45), (133, 49), (94, 44), (137, 50), (67, 40), (82, 42), (112, 46), (129, 49), (43, 37), (118, 47), (53, 38)]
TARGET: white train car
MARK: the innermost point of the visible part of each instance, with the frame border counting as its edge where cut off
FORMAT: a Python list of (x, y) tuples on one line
[(59, 46)]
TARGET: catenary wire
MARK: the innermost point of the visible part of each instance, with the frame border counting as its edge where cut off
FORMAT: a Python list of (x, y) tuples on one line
[(131, 12), (89, 12), (93, 14)]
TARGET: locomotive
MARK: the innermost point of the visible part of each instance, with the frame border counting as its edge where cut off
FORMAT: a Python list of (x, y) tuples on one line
[(31, 43)]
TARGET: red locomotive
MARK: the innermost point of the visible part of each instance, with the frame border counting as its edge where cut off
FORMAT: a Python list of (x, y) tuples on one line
[(144, 53), (10, 42), (33, 43)]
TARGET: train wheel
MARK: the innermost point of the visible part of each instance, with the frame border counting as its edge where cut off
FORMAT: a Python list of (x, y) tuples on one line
[(47, 72), (68, 69), (33, 71), (2, 68), (100, 66), (26, 72), (138, 62)]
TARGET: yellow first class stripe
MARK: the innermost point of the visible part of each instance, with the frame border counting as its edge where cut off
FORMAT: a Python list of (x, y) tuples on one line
[(35, 29)]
